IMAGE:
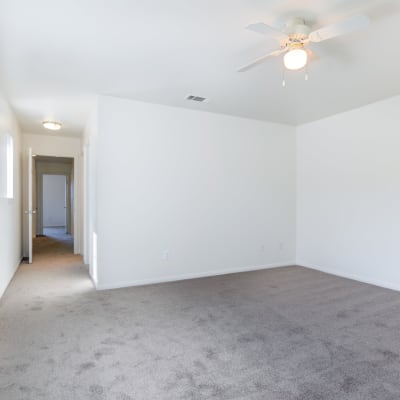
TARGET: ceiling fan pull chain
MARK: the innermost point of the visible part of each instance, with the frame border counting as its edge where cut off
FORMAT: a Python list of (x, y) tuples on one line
[(306, 74), (283, 76)]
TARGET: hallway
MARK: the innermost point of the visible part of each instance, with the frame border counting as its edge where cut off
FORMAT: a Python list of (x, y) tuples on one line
[(55, 241)]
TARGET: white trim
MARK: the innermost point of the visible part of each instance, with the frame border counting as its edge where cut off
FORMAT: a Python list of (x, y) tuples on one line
[(52, 169), (77, 204), (151, 281), (29, 210), (92, 280), (4, 289), (84, 177), (370, 281), (77, 193)]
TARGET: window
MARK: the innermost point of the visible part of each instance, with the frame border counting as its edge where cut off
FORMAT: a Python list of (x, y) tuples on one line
[(10, 167), (6, 166)]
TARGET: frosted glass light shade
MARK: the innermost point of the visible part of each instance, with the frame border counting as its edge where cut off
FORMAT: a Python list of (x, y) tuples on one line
[(52, 125), (295, 59)]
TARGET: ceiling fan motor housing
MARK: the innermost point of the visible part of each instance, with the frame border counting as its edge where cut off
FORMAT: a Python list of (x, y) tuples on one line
[(297, 28)]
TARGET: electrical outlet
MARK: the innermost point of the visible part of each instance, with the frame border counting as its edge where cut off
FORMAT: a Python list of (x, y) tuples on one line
[(281, 246), (262, 248)]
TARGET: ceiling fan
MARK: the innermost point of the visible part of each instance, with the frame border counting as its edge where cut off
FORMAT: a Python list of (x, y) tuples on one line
[(297, 35)]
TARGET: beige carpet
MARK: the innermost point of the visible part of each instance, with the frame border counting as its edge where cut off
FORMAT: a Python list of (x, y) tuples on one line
[(55, 241), (284, 334)]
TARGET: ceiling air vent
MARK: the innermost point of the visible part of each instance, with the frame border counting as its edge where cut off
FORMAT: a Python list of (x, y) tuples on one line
[(199, 99)]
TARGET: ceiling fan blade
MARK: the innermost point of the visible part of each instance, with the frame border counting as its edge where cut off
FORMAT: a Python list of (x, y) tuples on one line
[(264, 29), (341, 28), (261, 60)]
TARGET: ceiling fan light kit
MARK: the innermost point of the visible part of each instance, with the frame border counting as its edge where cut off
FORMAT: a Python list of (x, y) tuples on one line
[(297, 35), (295, 58)]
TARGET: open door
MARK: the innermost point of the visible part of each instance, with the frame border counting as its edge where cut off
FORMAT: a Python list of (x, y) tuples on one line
[(29, 212)]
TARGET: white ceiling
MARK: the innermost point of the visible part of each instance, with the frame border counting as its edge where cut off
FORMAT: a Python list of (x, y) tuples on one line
[(57, 55)]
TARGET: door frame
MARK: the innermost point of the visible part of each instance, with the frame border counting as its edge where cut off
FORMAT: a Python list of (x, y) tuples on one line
[(77, 208), (40, 201), (29, 211), (64, 170)]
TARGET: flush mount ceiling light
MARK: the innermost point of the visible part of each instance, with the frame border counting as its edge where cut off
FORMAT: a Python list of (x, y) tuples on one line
[(296, 58), (52, 125)]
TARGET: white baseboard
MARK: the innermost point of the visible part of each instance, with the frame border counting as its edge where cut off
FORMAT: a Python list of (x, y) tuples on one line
[(359, 278), (92, 278), (152, 281), (4, 288)]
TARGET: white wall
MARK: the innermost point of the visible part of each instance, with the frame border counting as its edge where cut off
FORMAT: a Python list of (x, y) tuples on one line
[(62, 146), (52, 145), (348, 194), (54, 201), (182, 193), (10, 208)]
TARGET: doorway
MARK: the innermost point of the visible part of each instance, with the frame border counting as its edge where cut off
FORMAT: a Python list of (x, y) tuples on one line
[(54, 217), (53, 202)]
